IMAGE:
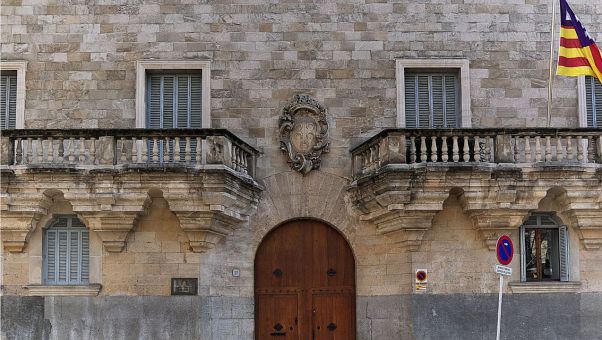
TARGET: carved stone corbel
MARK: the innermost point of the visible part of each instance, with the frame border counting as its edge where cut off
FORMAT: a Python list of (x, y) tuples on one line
[(406, 228), (589, 227), (491, 223), (112, 227), (207, 228)]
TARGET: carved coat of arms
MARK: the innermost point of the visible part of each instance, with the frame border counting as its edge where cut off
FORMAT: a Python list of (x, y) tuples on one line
[(304, 133)]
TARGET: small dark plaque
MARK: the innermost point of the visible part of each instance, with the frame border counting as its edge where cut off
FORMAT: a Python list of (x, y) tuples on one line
[(184, 286)]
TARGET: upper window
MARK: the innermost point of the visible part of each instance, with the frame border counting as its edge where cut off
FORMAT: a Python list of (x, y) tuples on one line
[(8, 100), (433, 93), (12, 94), (174, 100), (544, 249), (66, 251), (593, 102), (172, 94)]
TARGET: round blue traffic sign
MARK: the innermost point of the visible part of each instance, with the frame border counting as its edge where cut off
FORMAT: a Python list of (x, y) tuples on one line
[(504, 250)]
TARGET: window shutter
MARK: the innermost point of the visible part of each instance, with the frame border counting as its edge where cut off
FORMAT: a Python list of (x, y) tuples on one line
[(451, 100), (423, 98), (168, 98), (564, 253), (437, 101), (183, 101), (85, 256), (154, 102), (593, 99), (8, 101), (62, 253), (50, 257), (196, 99), (523, 264), (411, 107)]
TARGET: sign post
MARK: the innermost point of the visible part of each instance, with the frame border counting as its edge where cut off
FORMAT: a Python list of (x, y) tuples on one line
[(504, 251)]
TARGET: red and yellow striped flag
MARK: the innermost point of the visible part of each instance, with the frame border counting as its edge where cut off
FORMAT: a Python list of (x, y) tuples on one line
[(579, 55)]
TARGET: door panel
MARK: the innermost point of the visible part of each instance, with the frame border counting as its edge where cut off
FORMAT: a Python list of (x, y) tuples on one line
[(333, 316), (277, 316), (315, 262)]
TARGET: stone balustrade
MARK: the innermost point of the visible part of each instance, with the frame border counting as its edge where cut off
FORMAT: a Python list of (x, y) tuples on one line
[(454, 146), (129, 147)]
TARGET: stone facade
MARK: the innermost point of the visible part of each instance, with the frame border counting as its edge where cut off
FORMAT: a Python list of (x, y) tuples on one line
[(149, 223)]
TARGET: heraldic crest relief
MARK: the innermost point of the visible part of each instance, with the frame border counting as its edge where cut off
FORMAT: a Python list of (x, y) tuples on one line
[(304, 133)]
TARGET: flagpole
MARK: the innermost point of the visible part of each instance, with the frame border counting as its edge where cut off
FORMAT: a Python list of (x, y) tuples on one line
[(551, 75)]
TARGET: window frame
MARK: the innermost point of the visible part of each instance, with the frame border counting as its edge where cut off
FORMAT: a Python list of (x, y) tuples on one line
[(563, 230), (50, 226), (462, 65), (20, 66), (582, 104), (142, 66)]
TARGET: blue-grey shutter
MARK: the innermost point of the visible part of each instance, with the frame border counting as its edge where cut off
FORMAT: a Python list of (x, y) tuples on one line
[(563, 241), (66, 252), (63, 243), (50, 255), (85, 256), (196, 99), (8, 101), (153, 106), (437, 101), (411, 105), (593, 100), (452, 100), (523, 255), (424, 109)]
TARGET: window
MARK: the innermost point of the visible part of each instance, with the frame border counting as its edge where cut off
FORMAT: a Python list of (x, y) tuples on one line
[(593, 102), (12, 94), (431, 99), (544, 249), (173, 94), (174, 100), (433, 93), (66, 251)]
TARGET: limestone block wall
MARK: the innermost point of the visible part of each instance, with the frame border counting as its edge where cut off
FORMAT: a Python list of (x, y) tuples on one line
[(81, 70)]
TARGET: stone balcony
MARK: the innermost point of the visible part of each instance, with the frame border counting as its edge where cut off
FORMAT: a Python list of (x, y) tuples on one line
[(111, 176), (401, 178)]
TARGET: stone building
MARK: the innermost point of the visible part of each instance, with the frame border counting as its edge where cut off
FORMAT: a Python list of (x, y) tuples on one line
[(185, 169)]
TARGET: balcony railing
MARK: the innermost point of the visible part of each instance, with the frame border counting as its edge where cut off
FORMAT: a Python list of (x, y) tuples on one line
[(90, 148), (455, 146)]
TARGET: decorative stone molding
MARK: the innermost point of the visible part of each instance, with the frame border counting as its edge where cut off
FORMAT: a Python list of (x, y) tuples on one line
[(493, 223), (207, 228), (64, 290), (544, 287), (113, 228), (304, 133)]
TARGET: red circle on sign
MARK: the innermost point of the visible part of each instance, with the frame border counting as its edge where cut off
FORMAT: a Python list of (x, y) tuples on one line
[(504, 250), (421, 275)]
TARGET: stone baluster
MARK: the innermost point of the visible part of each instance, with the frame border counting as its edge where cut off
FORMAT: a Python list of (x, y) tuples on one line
[(40, 151), (61, 152), (176, 149), (187, 156), (18, 151), (155, 150), (559, 150), (590, 150), (29, 154), (548, 149), (412, 149), (134, 150), (516, 149), (166, 150), (537, 149), (71, 150), (423, 156), (455, 149), (466, 150), (528, 156), (93, 150), (569, 148), (144, 151), (198, 151), (433, 149), (579, 149), (444, 155), (122, 151), (82, 150), (599, 148), (50, 155), (77, 150)]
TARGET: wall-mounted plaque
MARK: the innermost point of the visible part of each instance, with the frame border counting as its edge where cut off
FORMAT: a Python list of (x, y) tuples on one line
[(184, 286), (304, 133)]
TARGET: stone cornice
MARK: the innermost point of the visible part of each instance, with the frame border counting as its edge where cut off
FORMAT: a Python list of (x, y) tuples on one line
[(64, 290)]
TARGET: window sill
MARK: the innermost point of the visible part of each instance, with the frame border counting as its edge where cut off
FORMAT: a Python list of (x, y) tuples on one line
[(66, 290), (544, 287)]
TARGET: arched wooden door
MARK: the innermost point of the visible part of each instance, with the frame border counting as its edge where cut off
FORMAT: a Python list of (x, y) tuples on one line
[(304, 284)]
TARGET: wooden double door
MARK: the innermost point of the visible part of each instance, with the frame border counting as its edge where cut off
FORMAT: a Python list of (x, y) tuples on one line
[(304, 284)]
